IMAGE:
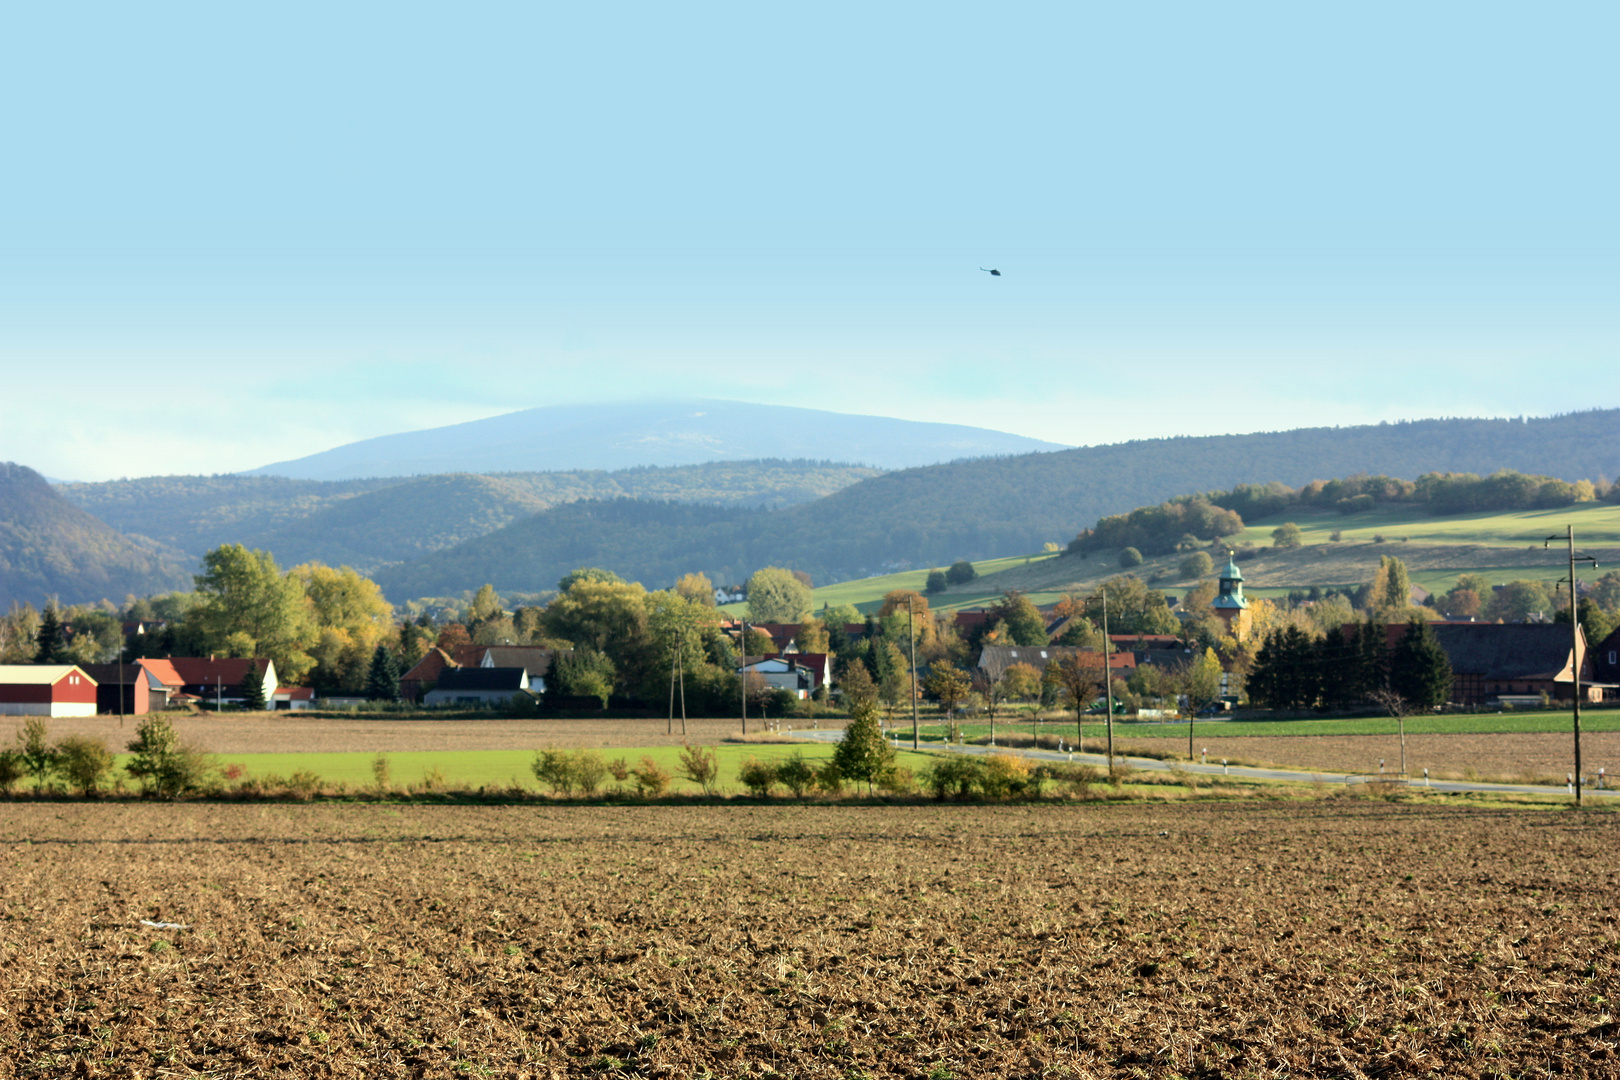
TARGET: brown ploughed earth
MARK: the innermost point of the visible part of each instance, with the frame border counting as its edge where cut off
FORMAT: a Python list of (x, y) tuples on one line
[(1528, 757), (1338, 936)]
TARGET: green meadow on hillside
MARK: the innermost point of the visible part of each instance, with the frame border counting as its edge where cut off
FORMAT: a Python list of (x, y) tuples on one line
[(1501, 546)]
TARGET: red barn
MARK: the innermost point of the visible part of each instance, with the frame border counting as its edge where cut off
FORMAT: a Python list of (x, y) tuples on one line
[(46, 690)]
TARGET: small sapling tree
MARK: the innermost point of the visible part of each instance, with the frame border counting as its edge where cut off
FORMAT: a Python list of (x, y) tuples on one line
[(863, 754)]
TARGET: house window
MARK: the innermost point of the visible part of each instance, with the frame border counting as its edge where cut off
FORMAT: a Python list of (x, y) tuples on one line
[(1614, 657)]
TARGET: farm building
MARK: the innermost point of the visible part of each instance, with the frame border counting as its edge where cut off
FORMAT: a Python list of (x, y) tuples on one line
[(164, 683), (994, 660), (123, 689), (478, 686), (531, 658), (219, 682), (1490, 661), (46, 690)]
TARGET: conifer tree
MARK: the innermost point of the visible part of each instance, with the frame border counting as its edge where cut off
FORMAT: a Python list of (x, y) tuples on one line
[(1420, 671), (50, 648), (382, 684), (252, 690)]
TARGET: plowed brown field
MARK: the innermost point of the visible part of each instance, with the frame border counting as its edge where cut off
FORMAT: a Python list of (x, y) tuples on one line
[(1336, 937)]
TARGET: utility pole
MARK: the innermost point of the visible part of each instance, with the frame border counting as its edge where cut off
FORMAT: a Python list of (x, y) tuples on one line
[(742, 672), (1108, 684), (1575, 651), (911, 632)]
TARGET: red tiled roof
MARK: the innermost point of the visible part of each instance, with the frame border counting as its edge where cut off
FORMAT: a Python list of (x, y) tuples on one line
[(163, 671), (227, 671)]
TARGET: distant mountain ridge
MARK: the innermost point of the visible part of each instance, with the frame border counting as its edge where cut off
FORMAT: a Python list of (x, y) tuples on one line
[(49, 547), (980, 509), (628, 435)]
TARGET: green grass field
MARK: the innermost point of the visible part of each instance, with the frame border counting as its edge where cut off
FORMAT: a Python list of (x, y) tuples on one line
[(1596, 525), (472, 769)]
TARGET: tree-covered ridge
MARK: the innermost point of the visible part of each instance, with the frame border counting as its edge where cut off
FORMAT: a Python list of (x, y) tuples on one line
[(1186, 521), (1436, 492), (370, 523), (49, 547)]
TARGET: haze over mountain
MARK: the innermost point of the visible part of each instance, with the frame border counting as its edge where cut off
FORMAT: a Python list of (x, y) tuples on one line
[(622, 436), (49, 547)]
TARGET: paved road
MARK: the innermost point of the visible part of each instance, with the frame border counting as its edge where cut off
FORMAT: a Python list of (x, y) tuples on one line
[(1216, 769)]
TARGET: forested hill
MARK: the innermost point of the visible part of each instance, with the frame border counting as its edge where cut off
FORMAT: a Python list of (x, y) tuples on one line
[(371, 523), (996, 506), (49, 547)]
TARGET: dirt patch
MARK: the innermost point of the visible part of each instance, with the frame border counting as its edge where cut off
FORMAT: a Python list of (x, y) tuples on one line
[(1343, 937), (1523, 757)]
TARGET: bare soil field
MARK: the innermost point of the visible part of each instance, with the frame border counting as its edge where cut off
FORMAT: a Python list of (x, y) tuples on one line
[(1528, 757), (1341, 936)]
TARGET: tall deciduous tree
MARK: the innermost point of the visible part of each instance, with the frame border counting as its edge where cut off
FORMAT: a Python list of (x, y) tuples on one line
[(1023, 621), (242, 592), (696, 588), (776, 595), (947, 685)]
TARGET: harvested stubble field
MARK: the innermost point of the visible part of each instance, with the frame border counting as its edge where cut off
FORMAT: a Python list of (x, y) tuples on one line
[(1336, 937)]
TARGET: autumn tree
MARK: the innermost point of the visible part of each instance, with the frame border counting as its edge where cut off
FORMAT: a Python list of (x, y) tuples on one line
[(1287, 535), (1078, 677), (947, 685), (696, 589), (812, 636), (351, 618), (245, 604)]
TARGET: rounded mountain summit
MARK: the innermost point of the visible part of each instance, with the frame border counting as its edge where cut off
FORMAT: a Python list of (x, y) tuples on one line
[(629, 434)]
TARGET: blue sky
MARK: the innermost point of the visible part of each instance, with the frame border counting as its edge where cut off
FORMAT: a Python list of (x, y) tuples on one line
[(237, 236)]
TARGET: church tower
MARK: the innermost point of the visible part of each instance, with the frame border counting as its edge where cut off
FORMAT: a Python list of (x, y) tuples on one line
[(1229, 603)]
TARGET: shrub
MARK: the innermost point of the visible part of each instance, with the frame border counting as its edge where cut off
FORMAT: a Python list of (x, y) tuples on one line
[(829, 781), (85, 763), (898, 781), (433, 780), (1130, 557), (1004, 776), (757, 776), (619, 770), (555, 769), (38, 756), (651, 779), (11, 770), (952, 777), (304, 785), (796, 774), (382, 772), (1197, 565), (166, 767), (589, 772), (936, 582), (700, 765), (962, 571)]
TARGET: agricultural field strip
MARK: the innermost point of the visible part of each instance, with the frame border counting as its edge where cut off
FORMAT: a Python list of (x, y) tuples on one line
[(1278, 775), (1341, 935)]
